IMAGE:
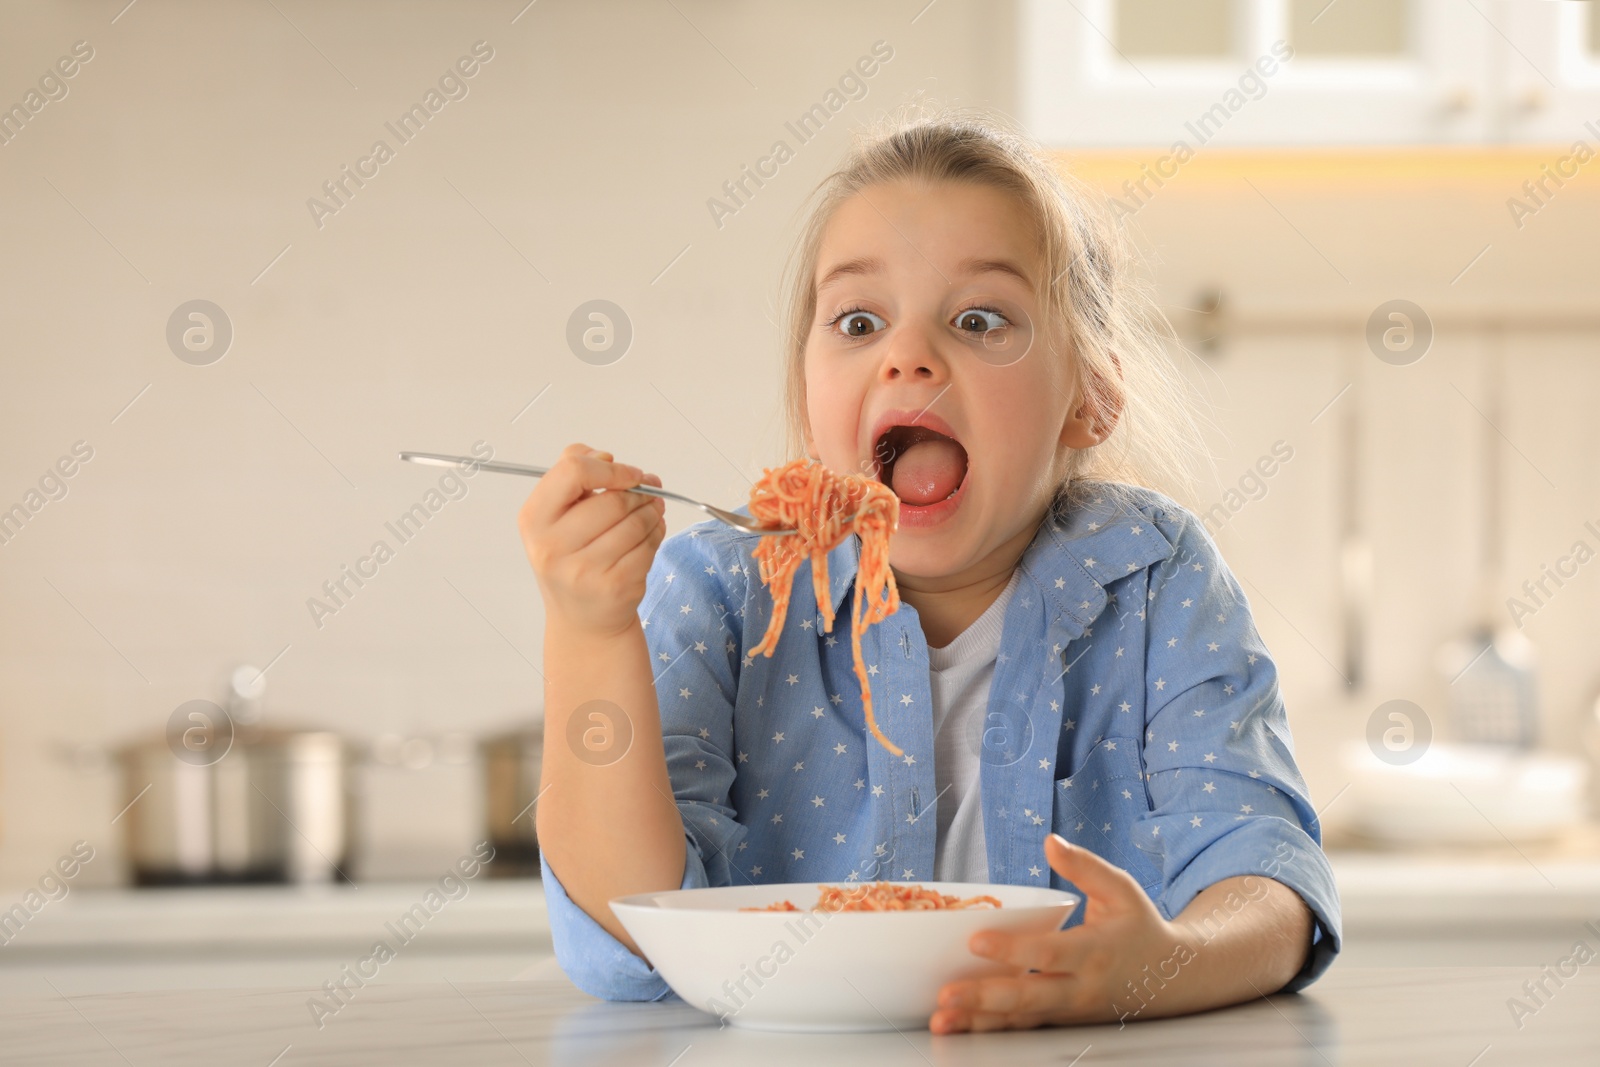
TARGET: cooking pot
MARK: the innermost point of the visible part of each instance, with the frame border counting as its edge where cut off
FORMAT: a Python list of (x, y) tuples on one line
[(273, 805), (511, 763)]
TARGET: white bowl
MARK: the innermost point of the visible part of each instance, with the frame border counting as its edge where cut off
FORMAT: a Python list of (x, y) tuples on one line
[(819, 970)]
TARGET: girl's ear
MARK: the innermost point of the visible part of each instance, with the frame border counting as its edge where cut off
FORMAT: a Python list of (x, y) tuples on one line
[(1093, 420), (1095, 416), (1080, 430)]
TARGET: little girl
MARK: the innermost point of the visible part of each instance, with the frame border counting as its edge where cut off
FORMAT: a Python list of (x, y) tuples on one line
[(1079, 692)]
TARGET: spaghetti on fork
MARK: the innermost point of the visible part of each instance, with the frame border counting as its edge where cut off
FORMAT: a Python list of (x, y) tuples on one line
[(824, 508)]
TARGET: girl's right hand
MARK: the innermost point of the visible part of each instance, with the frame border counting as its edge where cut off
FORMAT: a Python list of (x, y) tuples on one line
[(591, 550)]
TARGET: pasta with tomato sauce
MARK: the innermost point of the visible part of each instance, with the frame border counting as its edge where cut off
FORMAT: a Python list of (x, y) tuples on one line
[(825, 508), (885, 896)]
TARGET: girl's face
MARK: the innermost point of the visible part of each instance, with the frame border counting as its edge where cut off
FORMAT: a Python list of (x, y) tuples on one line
[(928, 366)]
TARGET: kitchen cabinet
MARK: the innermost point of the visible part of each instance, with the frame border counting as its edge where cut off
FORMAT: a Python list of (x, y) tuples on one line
[(1159, 73)]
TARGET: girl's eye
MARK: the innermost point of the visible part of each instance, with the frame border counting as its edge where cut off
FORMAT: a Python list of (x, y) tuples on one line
[(859, 323), (981, 320)]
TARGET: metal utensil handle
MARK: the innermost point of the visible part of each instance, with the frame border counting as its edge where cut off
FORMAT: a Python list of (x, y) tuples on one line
[(434, 459)]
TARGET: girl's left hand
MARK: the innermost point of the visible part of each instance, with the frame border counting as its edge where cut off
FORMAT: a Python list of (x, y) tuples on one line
[(1084, 970)]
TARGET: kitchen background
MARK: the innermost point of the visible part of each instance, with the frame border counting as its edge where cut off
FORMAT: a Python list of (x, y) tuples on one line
[(1436, 153)]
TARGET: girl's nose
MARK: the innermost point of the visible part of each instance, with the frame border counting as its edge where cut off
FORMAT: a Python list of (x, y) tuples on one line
[(911, 357)]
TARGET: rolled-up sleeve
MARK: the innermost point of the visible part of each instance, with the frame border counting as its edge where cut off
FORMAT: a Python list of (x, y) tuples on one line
[(1226, 795), (694, 644), (598, 963)]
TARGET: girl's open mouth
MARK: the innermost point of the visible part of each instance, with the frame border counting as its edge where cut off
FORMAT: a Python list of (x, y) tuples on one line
[(926, 469)]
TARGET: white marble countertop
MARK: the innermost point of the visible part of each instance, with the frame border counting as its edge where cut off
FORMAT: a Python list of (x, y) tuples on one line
[(223, 976), (111, 940), (284, 917), (1403, 911), (1387, 890), (1377, 891), (1451, 1016)]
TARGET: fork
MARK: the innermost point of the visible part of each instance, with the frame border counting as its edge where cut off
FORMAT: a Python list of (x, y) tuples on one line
[(742, 522)]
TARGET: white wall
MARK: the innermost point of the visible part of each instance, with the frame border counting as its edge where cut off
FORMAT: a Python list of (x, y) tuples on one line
[(431, 309), (191, 143)]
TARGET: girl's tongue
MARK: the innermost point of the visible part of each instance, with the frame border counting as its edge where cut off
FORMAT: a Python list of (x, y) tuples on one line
[(928, 471)]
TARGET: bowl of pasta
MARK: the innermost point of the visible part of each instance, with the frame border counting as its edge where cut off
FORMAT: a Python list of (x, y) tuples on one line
[(851, 956)]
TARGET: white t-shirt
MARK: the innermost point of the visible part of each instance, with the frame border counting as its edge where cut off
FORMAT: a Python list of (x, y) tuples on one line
[(960, 674)]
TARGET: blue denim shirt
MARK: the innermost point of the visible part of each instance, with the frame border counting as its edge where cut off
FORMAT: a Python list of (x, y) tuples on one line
[(1134, 711)]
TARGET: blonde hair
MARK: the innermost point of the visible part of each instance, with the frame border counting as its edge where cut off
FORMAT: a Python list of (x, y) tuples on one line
[(1094, 298)]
